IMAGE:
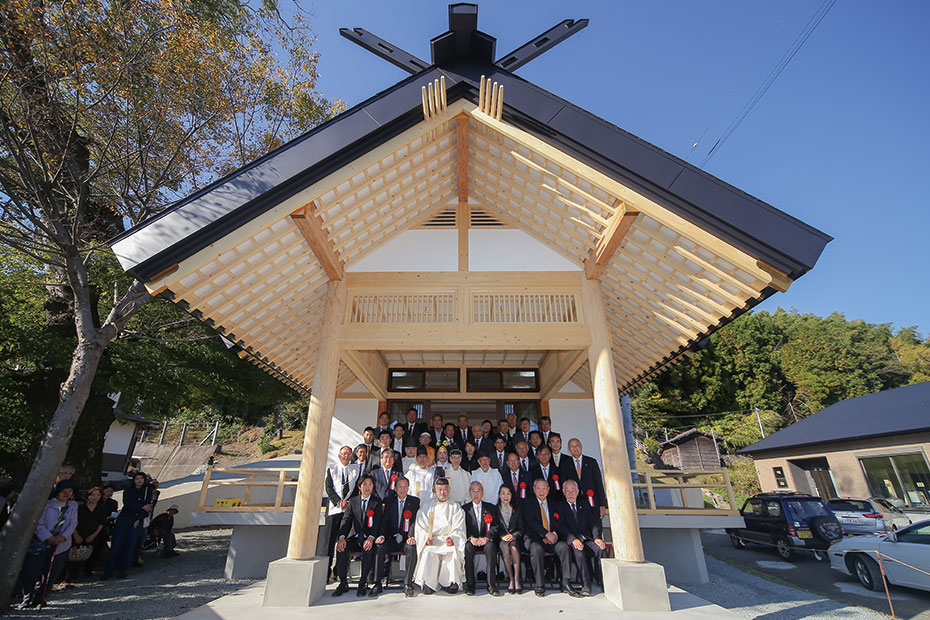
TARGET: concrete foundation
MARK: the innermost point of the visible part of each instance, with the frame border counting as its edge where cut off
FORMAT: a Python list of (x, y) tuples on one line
[(253, 547), (635, 586), (679, 551), (295, 583)]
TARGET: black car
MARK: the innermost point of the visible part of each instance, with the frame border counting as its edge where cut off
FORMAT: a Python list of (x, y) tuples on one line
[(788, 522)]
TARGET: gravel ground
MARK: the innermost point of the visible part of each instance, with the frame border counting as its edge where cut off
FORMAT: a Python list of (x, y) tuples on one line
[(163, 588), (752, 596)]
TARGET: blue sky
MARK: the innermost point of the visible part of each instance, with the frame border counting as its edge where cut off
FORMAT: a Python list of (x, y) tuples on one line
[(841, 140)]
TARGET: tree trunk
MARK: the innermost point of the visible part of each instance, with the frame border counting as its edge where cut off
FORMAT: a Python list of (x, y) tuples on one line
[(18, 531)]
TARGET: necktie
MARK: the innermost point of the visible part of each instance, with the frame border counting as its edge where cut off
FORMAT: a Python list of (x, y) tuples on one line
[(514, 481), (387, 477), (578, 467), (545, 517), (400, 513), (364, 506), (478, 516), (464, 436), (345, 483), (574, 510), (545, 473), (523, 461)]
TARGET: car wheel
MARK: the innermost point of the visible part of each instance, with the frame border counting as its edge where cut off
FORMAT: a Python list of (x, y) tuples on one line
[(783, 548), (867, 572), (827, 529), (737, 542)]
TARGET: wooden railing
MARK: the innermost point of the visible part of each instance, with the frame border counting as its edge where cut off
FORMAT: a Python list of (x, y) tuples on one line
[(667, 491), (657, 491), (524, 308), (250, 479)]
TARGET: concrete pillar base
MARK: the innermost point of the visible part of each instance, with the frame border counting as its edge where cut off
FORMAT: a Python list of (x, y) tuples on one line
[(295, 583), (634, 586)]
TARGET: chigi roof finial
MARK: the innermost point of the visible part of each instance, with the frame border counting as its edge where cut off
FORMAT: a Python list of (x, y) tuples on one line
[(465, 43)]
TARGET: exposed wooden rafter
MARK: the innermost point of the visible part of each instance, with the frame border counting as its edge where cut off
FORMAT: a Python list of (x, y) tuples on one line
[(557, 369), (311, 227), (463, 212), (617, 228), (369, 368)]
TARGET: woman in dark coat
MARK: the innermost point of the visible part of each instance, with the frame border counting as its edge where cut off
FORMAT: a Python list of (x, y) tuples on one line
[(92, 516), (511, 539), (138, 501), (470, 457)]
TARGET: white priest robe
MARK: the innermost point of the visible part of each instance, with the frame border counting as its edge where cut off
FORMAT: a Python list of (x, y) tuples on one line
[(491, 481), (421, 482), (459, 479), (440, 565)]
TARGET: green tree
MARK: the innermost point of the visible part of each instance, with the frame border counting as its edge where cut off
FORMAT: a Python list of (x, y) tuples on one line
[(109, 111), (913, 353)]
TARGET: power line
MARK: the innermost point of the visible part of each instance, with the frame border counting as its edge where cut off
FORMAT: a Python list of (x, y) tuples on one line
[(772, 76)]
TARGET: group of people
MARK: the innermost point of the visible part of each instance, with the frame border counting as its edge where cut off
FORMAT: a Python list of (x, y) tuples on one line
[(74, 533), (461, 490)]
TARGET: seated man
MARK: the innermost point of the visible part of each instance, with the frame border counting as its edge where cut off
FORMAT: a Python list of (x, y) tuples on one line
[(362, 518), (481, 527), (580, 527), (440, 537), (162, 527), (397, 523), (539, 533)]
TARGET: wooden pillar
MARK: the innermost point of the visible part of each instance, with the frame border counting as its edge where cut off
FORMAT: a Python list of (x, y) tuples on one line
[(618, 483), (305, 524)]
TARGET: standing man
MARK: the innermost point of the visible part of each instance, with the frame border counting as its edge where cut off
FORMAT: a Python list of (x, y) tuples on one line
[(579, 527), (587, 473), (481, 442), (413, 428), (555, 445), (463, 433), (517, 480), (385, 476), (397, 523), (459, 479), (421, 476), (481, 529), (545, 470), (368, 439), (545, 427), (523, 453), (435, 433), (512, 423), (523, 434), (361, 519), (489, 477), (440, 537), (499, 456), (363, 459), (536, 440), (385, 440), (340, 485), (384, 422), (503, 430), (539, 526), (397, 441)]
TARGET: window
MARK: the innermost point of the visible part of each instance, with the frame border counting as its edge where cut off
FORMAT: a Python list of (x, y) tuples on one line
[(902, 479), (800, 509), (423, 380), (780, 479), (850, 505), (919, 535), (774, 509), (503, 380), (753, 508)]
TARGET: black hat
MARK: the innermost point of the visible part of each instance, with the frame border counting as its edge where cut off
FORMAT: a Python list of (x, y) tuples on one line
[(455, 451), (64, 484), (422, 450)]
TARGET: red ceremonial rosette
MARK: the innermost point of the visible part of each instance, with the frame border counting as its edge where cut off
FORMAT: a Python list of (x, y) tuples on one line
[(393, 479), (522, 490), (522, 485), (556, 515), (555, 479), (408, 514), (370, 514), (590, 494), (488, 518)]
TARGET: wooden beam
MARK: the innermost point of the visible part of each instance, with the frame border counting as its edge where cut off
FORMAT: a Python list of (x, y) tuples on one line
[(305, 525), (557, 369), (311, 227), (462, 211), (369, 369), (617, 228), (468, 337)]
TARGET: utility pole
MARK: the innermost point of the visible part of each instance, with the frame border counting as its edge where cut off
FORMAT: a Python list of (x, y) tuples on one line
[(759, 419)]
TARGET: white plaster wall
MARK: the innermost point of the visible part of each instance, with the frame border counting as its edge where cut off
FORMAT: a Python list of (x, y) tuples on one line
[(414, 250), (350, 418), (491, 249), (574, 417), (118, 438)]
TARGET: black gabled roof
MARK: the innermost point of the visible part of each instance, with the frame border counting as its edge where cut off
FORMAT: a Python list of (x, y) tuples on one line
[(759, 229), (899, 411)]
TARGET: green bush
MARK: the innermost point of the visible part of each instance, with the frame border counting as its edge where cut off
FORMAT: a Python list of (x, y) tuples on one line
[(265, 445)]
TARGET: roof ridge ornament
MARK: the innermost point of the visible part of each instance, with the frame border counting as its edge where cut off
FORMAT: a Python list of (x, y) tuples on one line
[(434, 98), (464, 42)]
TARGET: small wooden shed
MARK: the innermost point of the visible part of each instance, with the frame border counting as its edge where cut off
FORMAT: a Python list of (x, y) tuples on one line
[(692, 449)]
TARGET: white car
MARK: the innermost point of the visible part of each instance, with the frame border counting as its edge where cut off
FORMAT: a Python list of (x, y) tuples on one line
[(904, 555)]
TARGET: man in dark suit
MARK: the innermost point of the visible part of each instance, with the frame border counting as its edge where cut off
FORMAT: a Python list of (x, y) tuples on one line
[(580, 527), (482, 445), (463, 431), (397, 525), (386, 475), (540, 525), (522, 433), (587, 473), (384, 422), (413, 428), (369, 440), (481, 530), (523, 489), (544, 469), (536, 441), (361, 525), (363, 459), (385, 439), (435, 431), (527, 460), (545, 427), (503, 430), (499, 454)]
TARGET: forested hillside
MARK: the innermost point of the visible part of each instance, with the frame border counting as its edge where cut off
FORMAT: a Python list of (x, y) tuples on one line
[(788, 365)]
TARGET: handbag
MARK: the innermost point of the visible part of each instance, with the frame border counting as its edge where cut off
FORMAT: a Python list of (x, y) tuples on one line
[(80, 553), (37, 547)]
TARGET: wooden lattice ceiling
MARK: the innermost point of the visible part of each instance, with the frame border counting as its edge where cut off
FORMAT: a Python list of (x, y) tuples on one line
[(664, 282)]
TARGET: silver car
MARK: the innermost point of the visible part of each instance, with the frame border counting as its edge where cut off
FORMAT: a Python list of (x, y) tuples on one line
[(905, 557), (867, 516)]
